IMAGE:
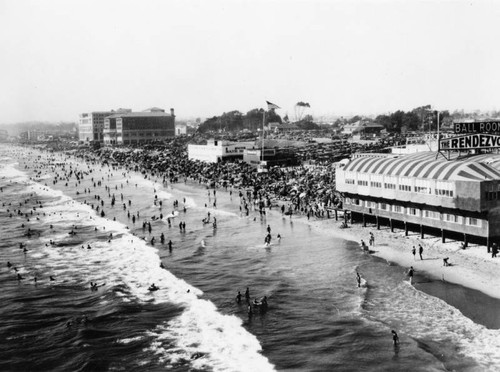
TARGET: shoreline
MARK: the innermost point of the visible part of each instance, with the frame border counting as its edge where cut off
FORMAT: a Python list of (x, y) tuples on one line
[(472, 268)]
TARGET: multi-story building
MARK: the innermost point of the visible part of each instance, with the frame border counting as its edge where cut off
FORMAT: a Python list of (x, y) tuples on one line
[(91, 125), (457, 199), (133, 128)]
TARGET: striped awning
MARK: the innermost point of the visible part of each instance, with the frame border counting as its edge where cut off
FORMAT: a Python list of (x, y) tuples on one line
[(425, 165)]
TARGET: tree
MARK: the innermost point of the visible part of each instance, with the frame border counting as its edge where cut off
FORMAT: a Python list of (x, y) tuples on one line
[(300, 107), (354, 119)]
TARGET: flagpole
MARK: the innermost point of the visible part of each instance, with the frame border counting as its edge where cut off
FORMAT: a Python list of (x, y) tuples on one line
[(262, 145)]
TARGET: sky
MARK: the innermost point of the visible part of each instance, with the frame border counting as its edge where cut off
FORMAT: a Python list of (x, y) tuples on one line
[(62, 57)]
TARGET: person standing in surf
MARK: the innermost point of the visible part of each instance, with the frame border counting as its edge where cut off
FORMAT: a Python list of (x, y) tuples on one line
[(395, 338), (247, 295)]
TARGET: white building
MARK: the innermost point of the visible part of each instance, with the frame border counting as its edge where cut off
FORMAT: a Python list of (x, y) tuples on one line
[(180, 129), (215, 151), (91, 124)]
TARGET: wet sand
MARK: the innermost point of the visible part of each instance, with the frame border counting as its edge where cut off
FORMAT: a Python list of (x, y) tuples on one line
[(472, 267)]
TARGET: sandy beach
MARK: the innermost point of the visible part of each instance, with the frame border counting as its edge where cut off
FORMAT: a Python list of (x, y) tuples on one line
[(472, 267)]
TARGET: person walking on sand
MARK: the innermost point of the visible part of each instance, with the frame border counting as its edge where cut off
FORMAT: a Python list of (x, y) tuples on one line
[(410, 274), (420, 250), (414, 252), (494, 250)]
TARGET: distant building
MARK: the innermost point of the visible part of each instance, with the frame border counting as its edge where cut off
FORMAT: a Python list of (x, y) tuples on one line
[(133, 128), (286, 127), (31, 136), (4, 135), (216, 151), (363, 128), (271, 157), (180, 129), (91, 125)]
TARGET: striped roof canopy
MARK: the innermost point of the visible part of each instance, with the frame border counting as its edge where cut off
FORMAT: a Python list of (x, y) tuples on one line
[(424, 165)]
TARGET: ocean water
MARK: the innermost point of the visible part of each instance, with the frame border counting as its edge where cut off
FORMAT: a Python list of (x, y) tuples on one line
[(317, 319)]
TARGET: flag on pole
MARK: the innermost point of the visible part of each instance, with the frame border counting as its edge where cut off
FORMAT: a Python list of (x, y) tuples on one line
[(272, 106)]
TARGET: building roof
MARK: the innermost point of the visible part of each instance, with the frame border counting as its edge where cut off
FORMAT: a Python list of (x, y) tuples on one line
[(424, 165), (361, 125), (154, 109), (138, 114)]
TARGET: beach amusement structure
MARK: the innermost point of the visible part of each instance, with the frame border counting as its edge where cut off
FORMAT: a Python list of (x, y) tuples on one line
[(457, 199)]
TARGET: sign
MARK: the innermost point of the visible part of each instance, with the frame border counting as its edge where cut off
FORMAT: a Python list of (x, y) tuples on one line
[(477, 127), (470, 142)]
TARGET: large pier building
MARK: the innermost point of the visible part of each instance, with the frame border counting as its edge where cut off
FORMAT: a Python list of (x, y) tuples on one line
[(457, 199)]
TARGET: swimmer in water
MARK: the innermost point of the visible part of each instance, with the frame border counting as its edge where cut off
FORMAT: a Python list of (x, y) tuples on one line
[(153, 287)]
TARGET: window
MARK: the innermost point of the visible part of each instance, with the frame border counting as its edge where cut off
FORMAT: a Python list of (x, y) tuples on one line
[(383, 206), (397, 209), (441, 192), (444, 188), (452, 218), (491, 195), (405, 184), (349, 181), (390, 182), (432, 214), (423, 186), (471, 221), (363, 179), (376, 180), (414, 211)]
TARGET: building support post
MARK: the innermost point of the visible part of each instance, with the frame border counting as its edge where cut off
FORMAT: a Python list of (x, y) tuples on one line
[(378, 223), (390, 224), (336, 215), (443, 239), (421, 231), (488, 243), (364, 220), (406, 228), (466, 243)]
